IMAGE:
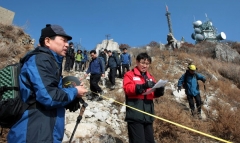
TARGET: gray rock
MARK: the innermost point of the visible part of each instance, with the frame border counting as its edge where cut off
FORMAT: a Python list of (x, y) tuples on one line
[(225, 53)]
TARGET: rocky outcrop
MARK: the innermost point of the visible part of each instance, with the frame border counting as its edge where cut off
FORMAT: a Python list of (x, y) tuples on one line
[(102, 122), (100, 119), (225, 53), (107, 44)]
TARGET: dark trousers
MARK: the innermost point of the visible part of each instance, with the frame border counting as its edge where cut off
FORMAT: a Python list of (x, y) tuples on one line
[(197, 100), (119, 72), (78, 65), (72, 63), (140, 133), (84, 64), (111, 75), (94, 79), (67, 65), (124, 66)]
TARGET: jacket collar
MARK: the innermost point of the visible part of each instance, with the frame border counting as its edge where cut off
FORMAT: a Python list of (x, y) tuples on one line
[(46, 50), (137, 72)]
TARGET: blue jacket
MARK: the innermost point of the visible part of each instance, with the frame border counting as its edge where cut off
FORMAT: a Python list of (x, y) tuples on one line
[(85, 58), (191, 85), (40, 81), (96, 67), (125, 59)]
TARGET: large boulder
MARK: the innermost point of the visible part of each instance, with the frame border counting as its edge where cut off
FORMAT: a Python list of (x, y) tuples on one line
[(107, 44), (225, 53)]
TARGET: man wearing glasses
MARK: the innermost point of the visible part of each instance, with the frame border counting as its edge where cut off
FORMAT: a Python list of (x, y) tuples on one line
[(135, 83)]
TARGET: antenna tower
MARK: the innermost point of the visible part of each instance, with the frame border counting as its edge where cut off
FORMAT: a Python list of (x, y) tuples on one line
[(169, 20), (108, 35)]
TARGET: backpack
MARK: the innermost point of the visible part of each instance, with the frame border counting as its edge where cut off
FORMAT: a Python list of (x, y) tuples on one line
[(11, 105), (116, 57), (102, 62)]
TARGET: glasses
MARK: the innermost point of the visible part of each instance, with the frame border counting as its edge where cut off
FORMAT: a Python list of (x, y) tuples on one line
[(143, 63)]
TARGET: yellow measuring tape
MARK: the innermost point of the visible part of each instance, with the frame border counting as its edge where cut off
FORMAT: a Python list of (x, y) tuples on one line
[(179, 125)]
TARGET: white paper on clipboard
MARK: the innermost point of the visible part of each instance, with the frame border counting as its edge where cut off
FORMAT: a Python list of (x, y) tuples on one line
[(160, 83)]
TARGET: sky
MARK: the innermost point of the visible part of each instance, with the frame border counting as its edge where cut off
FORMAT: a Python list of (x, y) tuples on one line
[(132, 22)]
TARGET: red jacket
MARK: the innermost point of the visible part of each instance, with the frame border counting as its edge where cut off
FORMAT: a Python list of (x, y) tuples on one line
[(133, 77)]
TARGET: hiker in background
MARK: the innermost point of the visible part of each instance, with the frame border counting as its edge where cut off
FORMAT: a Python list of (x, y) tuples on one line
[(96, 69), (125, 61), (84, 60), (72, 57), (113, 63), (78, 60), (135, 83), (105, 51), (69, 56), (41, 87), (104, 56), (119, 66), (189, 81)]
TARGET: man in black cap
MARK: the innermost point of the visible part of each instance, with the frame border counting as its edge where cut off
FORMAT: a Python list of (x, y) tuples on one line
[(69, 57), (40, 85)]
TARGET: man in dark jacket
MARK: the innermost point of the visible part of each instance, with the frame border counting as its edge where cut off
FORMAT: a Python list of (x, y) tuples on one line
[(84, 60), (96, 69), (104, 56), (113, 63), (40, 84), (135, 83), (69, 56)]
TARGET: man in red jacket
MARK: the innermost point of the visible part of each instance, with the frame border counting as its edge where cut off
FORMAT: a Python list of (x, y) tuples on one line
[(135, 83)]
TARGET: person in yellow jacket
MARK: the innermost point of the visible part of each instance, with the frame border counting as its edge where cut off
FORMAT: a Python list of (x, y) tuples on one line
[(78, 60)]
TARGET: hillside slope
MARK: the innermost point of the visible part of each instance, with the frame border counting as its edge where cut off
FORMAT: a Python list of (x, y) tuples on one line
[(221, 100)]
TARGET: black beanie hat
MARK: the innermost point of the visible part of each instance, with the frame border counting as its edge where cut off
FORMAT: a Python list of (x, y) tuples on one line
[(53, 30)]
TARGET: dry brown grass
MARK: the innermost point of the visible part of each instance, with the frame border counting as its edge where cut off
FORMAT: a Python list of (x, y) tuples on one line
[(236, 45), (226, 124), (11, 46), (226, 91), (172, 111), (230, 71)]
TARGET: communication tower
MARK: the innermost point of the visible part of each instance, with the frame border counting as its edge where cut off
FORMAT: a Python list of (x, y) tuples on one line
[(206, 32), (169, 20)]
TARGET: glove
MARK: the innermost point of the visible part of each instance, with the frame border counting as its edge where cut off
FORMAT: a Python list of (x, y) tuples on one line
[(179, 89), (73, 106), (140, 88), (148, 84), (159, 92)]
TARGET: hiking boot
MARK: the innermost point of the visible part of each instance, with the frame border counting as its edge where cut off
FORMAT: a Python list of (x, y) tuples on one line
[(199, 116), (89, 97), (100, 96), (96, 98), (112, 87), (193, 113)]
